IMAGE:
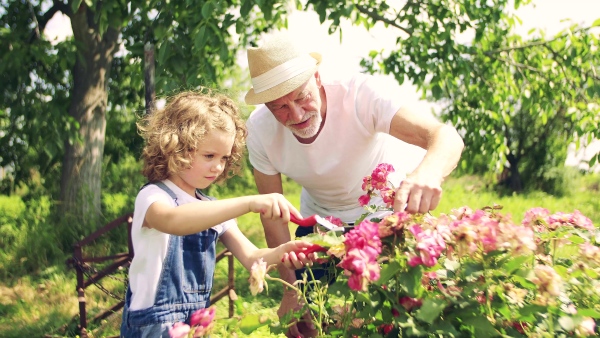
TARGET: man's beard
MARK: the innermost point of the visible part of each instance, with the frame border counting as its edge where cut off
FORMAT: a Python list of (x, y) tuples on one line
[(311, 130)]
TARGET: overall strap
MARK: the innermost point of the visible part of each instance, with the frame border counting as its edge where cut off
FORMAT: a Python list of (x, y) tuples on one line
[(166, 189), (200, 193)]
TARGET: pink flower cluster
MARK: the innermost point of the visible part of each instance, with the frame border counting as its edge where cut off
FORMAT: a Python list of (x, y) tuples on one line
[(378, 181), (394, 224), (541, 220), (428, 249), (201, 322), (363, 246), (590, 253), (481, 231), (548, 282)]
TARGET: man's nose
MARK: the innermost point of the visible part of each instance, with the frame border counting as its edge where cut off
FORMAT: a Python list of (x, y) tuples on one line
[(296, 113)]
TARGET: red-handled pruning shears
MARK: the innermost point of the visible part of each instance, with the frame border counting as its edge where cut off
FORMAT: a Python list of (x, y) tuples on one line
[(315, 219)]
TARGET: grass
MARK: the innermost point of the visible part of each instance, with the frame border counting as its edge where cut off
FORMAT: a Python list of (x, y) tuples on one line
[(44, 303)]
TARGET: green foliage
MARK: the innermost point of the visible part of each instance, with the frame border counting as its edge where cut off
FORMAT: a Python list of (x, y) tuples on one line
[(44, 119), (29, 244), (34, 86), (517, 101)]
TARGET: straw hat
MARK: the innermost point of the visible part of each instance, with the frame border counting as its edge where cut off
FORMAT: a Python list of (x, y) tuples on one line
[(277, 68)]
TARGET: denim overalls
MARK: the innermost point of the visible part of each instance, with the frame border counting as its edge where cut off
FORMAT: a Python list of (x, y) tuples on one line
[(183, 287)]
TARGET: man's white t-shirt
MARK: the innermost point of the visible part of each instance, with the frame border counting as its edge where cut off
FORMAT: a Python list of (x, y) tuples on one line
[(150, 245), (353, 141)]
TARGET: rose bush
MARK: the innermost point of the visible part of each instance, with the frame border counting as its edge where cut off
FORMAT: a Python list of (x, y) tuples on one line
[(468, 273)]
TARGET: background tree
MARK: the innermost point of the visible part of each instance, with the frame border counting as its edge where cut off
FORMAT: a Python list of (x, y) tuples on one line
[(518, 102), (56, 97)]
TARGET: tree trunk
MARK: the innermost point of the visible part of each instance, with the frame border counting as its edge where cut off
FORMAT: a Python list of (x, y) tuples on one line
[(149, 77), (514, 180), (80, 185)]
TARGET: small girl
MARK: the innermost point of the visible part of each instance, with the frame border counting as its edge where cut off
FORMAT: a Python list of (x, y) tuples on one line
[(197, 139)]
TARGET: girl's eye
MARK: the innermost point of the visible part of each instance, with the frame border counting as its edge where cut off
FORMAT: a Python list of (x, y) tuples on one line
[(209, 156)]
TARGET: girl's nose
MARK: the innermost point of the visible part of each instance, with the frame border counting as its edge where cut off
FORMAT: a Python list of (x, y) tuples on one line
[(219, 166)]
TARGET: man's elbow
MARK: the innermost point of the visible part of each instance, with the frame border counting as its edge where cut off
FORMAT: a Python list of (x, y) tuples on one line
[(451, 136)]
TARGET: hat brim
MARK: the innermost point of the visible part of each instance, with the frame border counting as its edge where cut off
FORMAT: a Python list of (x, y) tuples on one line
[(285, 87)]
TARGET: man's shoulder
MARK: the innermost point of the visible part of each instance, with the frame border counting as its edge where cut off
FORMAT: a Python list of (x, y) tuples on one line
[(261, 118), (358, 80), (259, 115)]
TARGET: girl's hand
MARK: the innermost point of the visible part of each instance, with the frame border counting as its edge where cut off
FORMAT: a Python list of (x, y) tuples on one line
[(293, 256), (273, 206)]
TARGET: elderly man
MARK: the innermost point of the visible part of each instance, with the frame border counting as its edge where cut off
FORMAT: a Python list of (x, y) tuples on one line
[(328, 135)]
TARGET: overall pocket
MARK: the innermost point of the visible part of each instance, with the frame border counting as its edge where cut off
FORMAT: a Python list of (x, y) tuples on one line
[(199, 261)]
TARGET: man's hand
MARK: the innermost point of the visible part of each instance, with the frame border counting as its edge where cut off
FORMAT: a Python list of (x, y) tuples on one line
[(418, 194), (304, 328)]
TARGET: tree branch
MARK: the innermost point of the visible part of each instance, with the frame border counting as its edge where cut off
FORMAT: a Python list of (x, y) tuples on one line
[(378, 17), (535, 43), (519, 65)]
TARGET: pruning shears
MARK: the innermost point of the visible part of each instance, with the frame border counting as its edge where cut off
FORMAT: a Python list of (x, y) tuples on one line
[(313, 220)]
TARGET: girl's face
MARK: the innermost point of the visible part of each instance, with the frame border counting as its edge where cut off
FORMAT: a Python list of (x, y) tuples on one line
[(208, 162)]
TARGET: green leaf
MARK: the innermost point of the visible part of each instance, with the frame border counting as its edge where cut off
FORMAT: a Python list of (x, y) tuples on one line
[(339, 288), (596, 23), (327, 240), (75, 5), (451, 265), (576, 239), (445, 329), (200, 39), (436, 91), (589, 313), (251, 322), (207, 9), (412, 282), (246, 8), (473, 269), (430, 310), (528, 312), (162, 53), (387, 272), (515, 263), (483, 327)]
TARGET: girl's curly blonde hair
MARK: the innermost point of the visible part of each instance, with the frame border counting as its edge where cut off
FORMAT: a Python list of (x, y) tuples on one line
[(172, 134)]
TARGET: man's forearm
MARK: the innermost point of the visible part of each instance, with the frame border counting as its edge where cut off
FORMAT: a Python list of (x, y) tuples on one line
[(277, 233), (443, 152)]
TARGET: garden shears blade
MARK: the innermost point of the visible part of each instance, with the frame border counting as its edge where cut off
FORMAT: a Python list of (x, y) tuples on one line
[(315, 219)]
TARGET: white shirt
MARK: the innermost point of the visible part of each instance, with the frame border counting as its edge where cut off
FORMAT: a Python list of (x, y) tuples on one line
[(150, 245), (352, 142)]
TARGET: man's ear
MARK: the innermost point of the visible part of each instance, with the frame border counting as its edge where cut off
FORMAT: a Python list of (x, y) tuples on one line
[(318, 79)]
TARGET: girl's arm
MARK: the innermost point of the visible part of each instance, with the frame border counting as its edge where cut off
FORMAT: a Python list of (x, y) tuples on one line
[(192, 218), (247, 253)]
